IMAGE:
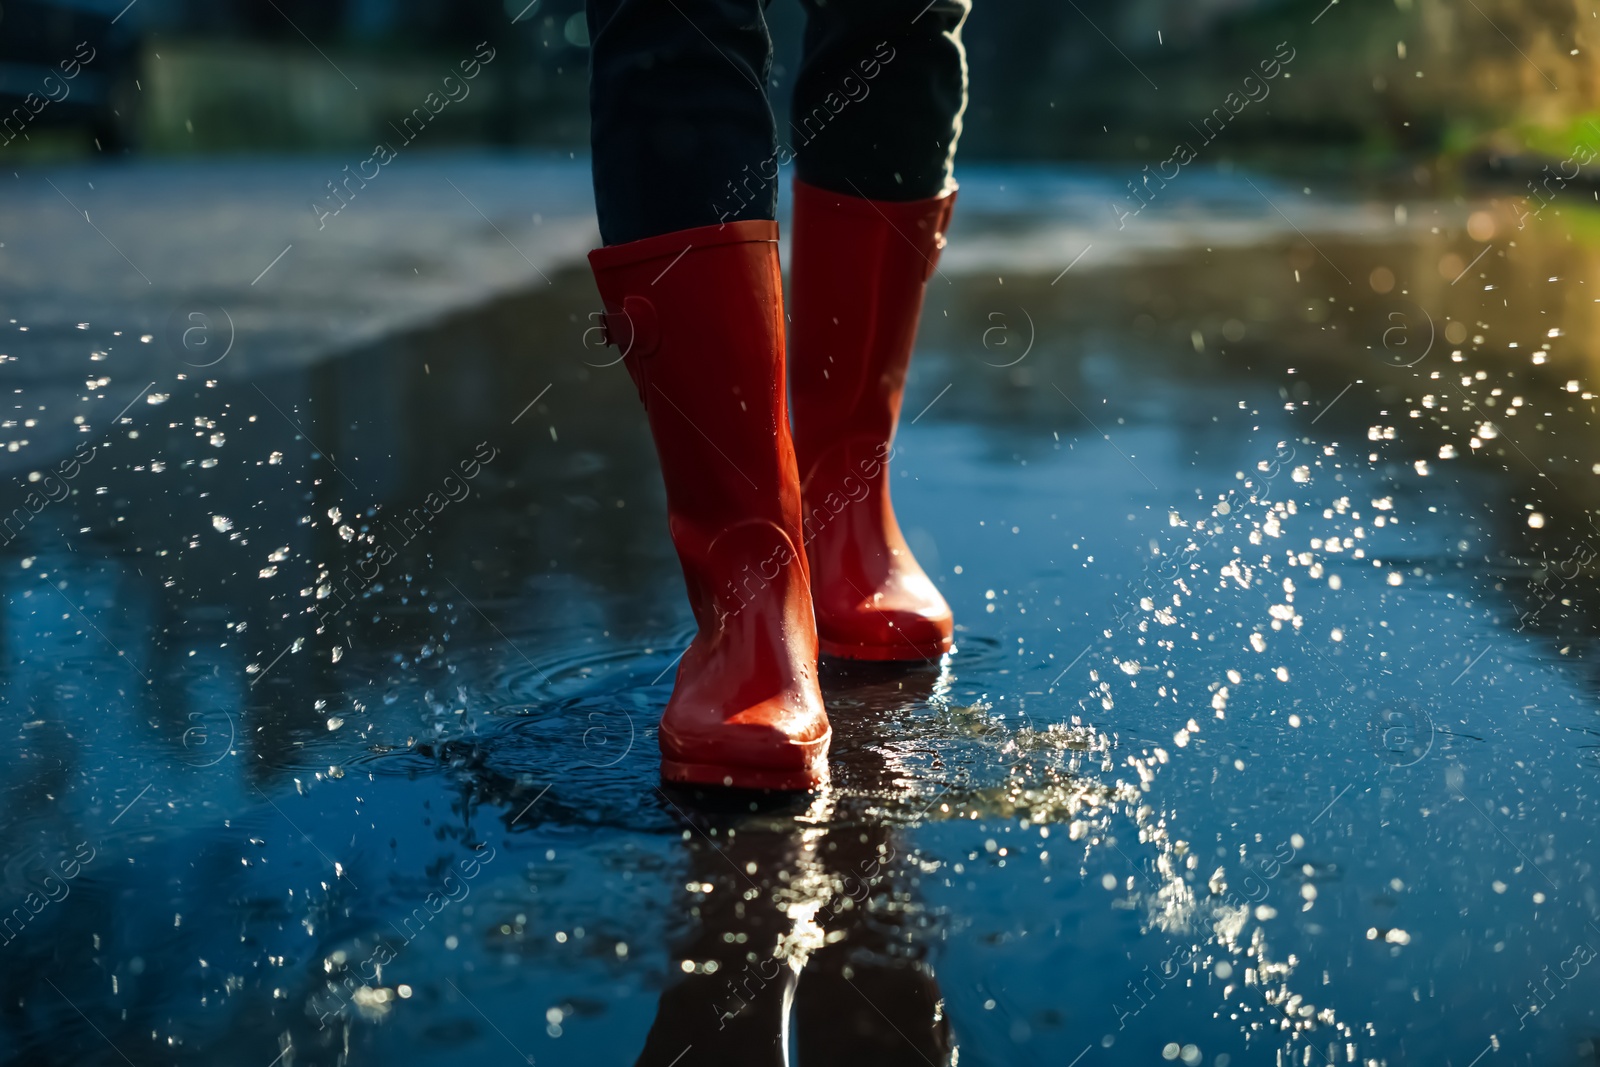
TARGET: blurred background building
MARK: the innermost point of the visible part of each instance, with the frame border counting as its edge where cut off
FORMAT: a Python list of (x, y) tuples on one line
[(1460, 81)]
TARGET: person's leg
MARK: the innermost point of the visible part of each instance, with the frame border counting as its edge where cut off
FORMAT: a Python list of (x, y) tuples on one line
[(879, 101), (678, 108), (695, 303), (879, 97)]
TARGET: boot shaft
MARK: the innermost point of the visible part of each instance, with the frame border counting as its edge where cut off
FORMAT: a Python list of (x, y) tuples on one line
[(698, 315), (859, 269)]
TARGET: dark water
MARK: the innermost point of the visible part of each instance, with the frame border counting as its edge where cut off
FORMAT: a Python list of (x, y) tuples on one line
[(1271, 735)]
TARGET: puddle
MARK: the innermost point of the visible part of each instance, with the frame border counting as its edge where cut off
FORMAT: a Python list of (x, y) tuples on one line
[(1270, 736)]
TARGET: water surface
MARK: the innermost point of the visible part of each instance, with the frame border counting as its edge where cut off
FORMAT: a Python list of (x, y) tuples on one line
[(1270, 736)]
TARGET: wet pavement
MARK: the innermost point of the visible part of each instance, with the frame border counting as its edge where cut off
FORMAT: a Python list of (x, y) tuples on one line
[(1270, 737)]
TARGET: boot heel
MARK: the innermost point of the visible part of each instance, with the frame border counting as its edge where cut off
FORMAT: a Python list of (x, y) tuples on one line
[(930, 651), (738, 777)]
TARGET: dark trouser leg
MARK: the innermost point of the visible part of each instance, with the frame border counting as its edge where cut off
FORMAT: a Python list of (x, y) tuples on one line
[(679, 110), (879, 97)]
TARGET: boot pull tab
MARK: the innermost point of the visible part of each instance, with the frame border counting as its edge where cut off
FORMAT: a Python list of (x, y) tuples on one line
[(635, 331)]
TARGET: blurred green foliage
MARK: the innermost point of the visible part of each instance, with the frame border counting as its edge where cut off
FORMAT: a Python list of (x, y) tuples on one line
[(1371, 80)]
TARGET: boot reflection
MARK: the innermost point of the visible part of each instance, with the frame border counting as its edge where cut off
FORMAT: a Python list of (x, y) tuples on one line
[(869, 995), (790, 925), (753, 887)]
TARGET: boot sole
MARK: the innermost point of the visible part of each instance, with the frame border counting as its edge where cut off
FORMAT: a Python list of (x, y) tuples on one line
[(736, 776), (904, 651), (730, 777)]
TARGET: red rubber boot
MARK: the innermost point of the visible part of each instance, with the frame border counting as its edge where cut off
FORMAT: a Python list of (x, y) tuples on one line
[(698, 315), (859, 268)]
